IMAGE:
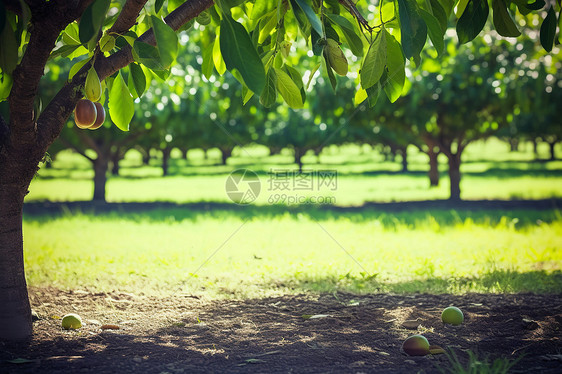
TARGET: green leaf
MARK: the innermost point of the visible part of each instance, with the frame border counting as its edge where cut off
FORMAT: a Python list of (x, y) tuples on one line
[(373, 94), (301, 18), (548, 30), (329, 72), (312, 17), (148, 55), (218, 60), (353, 39), (208, 64), (537, 5), (472, 20), (121, 104), (139, 79), (269, 94), (262, 7), (9, 49), (6, 83), (297, 78), (502, 19), (435, 31), (439, 13), (166, 41), (288, 89), (374, 61), (158, 5), (396, 76), (92, 19), (239, 53), (413, 29), (76, 67)]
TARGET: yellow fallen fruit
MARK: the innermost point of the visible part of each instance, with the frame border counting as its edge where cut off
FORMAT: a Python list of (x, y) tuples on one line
[(71, 322)]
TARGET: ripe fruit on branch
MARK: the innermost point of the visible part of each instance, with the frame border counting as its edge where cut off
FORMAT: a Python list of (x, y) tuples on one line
[(85, 114), (100, 117), (93, 85)]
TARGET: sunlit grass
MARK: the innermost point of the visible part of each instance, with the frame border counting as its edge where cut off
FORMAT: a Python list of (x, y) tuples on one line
[(167, 250)]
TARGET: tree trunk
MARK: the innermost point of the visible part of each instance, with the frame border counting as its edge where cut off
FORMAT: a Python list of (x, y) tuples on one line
[(404, 154), (455, 176), (535, 148), (15, 311), (100, 177), (513, 144), (552, 146), (115, 158), (165, 160), (184, 153), (225, 154), (298, 157), (433, 168)]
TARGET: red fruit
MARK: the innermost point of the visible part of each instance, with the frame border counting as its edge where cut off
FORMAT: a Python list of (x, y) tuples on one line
[(100, 117), (85, 114)]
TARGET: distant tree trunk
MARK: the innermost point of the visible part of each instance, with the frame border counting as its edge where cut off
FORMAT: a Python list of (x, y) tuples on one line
[(184, 153), (165, 160), (535, 147), (317, 153), (115, 158), (552, 146), (205, 155), (433, 167), (274, 150), (513, 144), (299, 152), (225, 155), (404, 154), (100, 177), (455, 176)]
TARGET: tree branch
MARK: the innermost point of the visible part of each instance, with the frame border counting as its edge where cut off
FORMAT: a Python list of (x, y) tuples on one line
[(71, 145), (59, 109), (127, 17), (50, 20)]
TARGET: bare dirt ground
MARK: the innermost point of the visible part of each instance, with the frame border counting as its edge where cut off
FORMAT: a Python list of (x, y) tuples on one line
[(348, 333)]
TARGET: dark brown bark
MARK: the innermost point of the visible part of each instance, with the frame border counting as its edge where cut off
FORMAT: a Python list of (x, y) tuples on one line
[(166, 160), (404, 155), (433, 172), (100, 177), (455, 177), (15, 311), (299, 152), (115, 158), (225, 155), (552, 148)]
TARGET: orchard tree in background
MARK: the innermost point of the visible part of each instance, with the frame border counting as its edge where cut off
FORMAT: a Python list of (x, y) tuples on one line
[(251, 39)]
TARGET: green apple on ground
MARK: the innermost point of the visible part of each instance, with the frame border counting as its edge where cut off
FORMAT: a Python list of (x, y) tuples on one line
[(416, 345), (71, 322), (452, 315)]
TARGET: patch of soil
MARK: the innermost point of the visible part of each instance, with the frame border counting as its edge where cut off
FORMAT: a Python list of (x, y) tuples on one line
[(336, 333)]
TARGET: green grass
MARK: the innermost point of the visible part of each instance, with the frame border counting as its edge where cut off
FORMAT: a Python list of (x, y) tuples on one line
[(266, 249), (362, 176), (275, 251)]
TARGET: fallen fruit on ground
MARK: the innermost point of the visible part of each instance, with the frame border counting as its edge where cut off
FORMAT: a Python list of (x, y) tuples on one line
[(452, 315), (85, 114), (416, 345), (100, 118), (71, 322)]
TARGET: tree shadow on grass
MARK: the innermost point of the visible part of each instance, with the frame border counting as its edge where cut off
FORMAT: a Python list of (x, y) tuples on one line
[(440, 213)]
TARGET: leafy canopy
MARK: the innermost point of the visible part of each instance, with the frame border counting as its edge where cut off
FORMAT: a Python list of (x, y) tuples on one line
[(261, 42)]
